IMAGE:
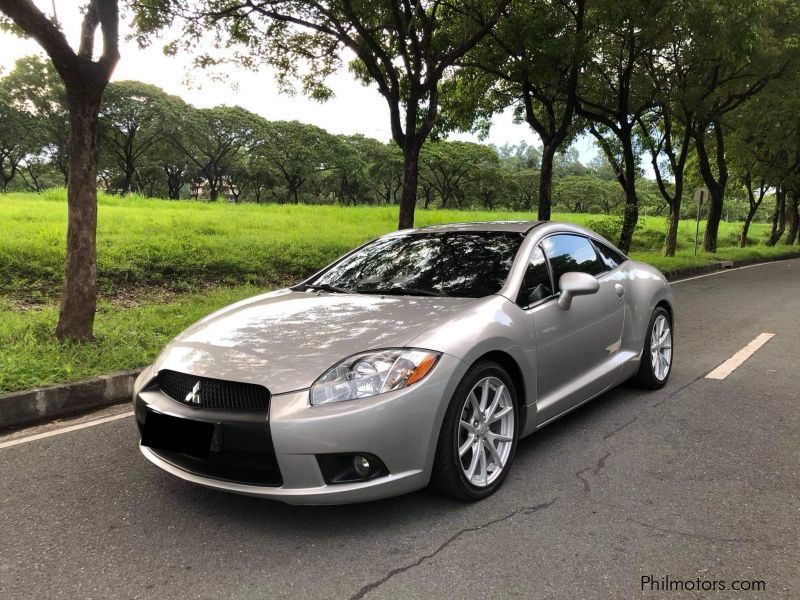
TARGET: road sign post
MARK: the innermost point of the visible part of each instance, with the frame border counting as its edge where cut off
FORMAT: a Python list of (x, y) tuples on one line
[(700, 194)]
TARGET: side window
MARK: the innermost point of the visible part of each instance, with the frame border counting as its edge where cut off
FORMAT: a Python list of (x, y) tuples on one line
[(568, 252), (610, 257), (536, 284)]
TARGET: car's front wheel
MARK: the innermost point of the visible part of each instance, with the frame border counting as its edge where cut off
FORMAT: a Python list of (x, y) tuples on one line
[(478, 436), (656, 363)]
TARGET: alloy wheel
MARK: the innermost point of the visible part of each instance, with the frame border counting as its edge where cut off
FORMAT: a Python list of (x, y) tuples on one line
[(486, 431), (661, 347)]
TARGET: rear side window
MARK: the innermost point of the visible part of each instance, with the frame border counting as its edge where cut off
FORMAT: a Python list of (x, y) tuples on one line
[(568, 253), (610, 257)]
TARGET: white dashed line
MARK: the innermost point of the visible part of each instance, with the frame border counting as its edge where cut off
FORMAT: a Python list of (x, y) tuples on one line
[(47, 434), (735, 361)]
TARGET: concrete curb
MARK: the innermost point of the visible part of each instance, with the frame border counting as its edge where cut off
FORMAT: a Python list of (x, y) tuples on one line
[(27, 407)]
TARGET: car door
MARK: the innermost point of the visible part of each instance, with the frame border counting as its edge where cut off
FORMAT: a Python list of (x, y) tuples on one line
[(576, 348)]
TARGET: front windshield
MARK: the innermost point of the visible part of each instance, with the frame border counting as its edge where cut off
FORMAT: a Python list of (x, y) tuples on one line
[(467, 264)]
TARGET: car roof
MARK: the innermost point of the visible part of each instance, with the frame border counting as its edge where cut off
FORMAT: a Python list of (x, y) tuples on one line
[(512, 226)]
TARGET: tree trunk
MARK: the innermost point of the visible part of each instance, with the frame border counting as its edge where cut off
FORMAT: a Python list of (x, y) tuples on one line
[(671, 243), (778, 218), (79, 295), (408, 200), (793, 218), (546, 182), (716, 186), (715, 202), (746, 227), (631, 217), (127, 181)]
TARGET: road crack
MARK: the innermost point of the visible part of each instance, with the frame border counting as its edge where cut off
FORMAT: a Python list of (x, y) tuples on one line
[(700, 536), (525, 510), (595, 469), (679, 390), (620, 428)]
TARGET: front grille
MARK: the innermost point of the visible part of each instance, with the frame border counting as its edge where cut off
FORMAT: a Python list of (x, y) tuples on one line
[(213, 394)]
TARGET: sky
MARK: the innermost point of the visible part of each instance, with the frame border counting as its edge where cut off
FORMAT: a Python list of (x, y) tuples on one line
[(354, 108)]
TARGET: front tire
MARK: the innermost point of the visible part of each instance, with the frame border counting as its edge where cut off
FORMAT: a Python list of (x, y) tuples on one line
[(656, 363), (478, 436)]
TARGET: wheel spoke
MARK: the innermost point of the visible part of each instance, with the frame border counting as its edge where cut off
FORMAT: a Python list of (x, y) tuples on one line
[(466, 445), (484, 474), (473, 464), (495, 455), (498, 395), (468, 426), (484, 395), (498, 436), (500, 414), (476, 409)]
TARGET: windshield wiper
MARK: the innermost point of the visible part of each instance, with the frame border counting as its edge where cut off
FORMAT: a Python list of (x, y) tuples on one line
[(324, 287), (398, 290)]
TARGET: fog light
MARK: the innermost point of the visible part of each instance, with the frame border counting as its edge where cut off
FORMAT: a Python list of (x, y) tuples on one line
[(350, 467), (361, 465)]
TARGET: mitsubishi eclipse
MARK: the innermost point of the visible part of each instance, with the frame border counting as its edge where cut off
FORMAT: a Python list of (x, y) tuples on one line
[(419, 358)]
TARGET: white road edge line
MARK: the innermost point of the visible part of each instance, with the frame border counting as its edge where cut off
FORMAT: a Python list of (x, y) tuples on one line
[(47, 434), (735, 361), (723, 271)]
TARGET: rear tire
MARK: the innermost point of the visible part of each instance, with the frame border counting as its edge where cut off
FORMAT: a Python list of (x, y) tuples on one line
[(656, 362), (479, 435)]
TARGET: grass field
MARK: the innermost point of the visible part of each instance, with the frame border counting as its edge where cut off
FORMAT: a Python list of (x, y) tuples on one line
[(162, 265)]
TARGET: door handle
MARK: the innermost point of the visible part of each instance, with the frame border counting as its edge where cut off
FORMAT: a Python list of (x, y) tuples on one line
[(619, 289)]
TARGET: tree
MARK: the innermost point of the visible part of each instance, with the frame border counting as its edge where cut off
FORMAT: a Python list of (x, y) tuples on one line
[(613, 94), (134, 117), (351, 158), (738, 53), (84, 80), (667, 131), (296, 151), (446, 167), (35, 87), (524, 186), (16, 127), (488, 182), (587, 194), (402, 47), (386, 171), (530, 62), (215, 140)]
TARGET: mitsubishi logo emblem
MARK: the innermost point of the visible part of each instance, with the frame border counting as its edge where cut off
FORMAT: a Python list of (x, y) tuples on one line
[(193, 397)]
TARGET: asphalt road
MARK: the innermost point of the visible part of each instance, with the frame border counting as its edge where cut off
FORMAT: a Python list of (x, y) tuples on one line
[(699, 480)]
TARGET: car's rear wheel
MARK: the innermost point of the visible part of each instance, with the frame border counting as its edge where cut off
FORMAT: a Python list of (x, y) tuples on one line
[(656, 363), (478, 436)]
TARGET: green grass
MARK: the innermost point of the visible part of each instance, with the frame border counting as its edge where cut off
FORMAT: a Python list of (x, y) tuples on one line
[(199, 256), (181, 244), (30, 356)]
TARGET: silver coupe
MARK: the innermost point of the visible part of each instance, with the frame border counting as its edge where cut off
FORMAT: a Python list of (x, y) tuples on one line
[(420, 358)]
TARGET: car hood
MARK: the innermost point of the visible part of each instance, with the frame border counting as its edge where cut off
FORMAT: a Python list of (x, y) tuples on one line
[(285, 340)]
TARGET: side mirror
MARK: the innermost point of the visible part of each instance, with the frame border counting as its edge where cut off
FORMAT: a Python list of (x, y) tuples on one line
[(576, 284)]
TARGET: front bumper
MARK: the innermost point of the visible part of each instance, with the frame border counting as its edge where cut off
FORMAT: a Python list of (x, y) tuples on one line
[(401, 428)]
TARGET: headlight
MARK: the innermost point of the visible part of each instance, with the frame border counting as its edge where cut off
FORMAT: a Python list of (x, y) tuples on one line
[(371, 373)]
